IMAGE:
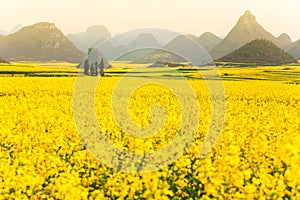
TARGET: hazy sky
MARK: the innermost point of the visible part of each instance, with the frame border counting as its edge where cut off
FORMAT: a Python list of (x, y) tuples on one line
[(188, 16)]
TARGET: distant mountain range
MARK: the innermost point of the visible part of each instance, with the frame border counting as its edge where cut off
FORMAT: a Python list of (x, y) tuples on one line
[(142, 40), (39, 42), (259, 52), (245, 31), (183, 48), (93, 36), (45, 42), (121, 46), (146, 48)]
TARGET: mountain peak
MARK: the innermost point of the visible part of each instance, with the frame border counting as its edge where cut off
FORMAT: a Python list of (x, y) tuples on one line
[(92, 37), (44, 25), (144, 40), (209, 41), (246, 30), (98, 29), (285, 38), (39, 42), (247, 17)]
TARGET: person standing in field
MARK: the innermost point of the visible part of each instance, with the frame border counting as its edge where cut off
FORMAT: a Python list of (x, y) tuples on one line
[(92, 69), (96, 68), (101, 67), (86, 67)]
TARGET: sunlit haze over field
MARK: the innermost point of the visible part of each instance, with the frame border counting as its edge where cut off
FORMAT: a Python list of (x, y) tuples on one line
[(189, 16)]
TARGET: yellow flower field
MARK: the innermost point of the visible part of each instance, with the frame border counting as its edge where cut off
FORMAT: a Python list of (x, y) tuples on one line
[(256, 157)]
